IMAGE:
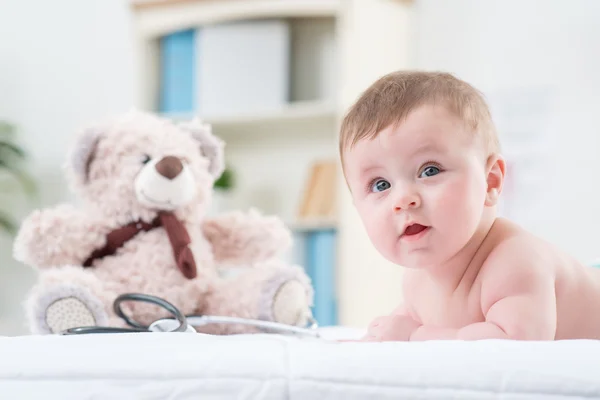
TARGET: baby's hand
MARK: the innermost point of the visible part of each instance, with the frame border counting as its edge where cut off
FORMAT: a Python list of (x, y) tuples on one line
[(391, 328)]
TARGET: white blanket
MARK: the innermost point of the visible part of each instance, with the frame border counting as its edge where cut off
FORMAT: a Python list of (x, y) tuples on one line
[(180, 366)]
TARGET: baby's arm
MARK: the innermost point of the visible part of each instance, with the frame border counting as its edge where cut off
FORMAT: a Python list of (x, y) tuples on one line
[(396, 326), (517, 298)]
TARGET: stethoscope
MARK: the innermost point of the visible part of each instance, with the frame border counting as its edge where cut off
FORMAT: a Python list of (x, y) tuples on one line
[(183, 323)]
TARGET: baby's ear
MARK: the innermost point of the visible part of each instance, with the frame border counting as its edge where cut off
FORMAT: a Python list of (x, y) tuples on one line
[(83, 152), (211, 146), (496, 169)]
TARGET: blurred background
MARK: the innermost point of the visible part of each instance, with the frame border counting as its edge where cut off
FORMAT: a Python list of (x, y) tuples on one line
[(274, 77)]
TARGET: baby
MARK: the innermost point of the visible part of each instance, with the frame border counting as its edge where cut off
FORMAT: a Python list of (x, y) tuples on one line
[(422, 161)]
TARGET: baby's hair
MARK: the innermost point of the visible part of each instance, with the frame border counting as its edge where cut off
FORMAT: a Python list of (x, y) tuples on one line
[(392, 97)]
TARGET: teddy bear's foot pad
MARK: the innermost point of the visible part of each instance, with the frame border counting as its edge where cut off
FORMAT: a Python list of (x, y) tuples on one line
[(68, 313), (290, 305), (55, 308)]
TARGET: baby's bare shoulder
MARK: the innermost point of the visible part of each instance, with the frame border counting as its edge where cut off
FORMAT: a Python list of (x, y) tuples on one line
[(518, 263), (514, 248)]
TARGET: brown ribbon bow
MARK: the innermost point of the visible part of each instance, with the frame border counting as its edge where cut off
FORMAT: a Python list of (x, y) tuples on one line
[(176, 231)]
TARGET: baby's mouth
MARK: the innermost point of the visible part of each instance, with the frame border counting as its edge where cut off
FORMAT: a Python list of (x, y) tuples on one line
[(414, 229)]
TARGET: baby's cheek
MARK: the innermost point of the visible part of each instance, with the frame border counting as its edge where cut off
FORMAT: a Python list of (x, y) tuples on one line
[(462, 210), (377, 227), (446, 209)]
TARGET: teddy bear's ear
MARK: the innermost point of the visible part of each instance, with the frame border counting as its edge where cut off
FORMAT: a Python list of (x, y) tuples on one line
[(211, 146), (82, 153)]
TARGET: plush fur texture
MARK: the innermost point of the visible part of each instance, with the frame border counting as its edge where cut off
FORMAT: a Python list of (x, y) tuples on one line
[(128, 169)]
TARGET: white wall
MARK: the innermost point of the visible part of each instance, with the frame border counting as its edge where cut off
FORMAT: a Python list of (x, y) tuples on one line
[(63, 63)]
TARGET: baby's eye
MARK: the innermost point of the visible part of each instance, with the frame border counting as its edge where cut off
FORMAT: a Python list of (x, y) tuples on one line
[(380, 185), (429, 171)]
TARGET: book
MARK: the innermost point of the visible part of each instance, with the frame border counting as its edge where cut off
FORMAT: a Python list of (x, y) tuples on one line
[(319, 200), (177, 72)]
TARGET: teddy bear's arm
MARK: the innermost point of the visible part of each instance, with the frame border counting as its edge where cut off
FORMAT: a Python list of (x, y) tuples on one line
[(241, 238), (57, 236)]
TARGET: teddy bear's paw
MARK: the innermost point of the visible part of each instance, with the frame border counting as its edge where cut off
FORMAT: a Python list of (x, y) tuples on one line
[(62, 307), (291, 304), (68, 313)]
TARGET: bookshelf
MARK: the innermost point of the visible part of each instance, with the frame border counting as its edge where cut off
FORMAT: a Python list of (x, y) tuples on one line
[(248, 123), (322, 54)]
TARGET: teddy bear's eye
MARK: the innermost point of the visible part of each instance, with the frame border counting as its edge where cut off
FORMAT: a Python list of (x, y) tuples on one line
[(145, 159)]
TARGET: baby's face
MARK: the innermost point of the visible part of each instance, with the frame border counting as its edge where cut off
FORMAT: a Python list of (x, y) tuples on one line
[(419, 187)]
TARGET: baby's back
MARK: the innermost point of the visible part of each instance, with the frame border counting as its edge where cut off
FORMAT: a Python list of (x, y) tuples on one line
[(577, 299), (577, 286)]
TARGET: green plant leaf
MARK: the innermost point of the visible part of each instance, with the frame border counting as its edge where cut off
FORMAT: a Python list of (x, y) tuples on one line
[(12, 149), (12, 156), (7, 224), (6, 127), (7, 131), (225, 181), (26, 181)]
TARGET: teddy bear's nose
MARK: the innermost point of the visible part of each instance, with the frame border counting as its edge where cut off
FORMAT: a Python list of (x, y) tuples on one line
[(169, 167)]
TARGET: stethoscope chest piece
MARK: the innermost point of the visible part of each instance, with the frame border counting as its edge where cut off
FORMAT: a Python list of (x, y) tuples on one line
[(168, 325)]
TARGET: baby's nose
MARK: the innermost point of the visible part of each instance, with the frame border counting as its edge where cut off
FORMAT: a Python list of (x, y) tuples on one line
[(408, 201)]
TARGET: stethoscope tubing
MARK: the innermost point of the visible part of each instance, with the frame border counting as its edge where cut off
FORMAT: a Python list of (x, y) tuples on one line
[(184, 322)]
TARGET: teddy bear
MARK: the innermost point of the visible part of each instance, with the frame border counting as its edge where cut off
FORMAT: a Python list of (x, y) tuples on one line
[(143, 184)]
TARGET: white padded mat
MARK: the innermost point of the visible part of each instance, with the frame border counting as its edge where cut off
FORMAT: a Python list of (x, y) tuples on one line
[(179, 366)]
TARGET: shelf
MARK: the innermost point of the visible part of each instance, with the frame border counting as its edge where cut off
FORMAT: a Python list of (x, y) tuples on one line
[(318, 224), (310, 113), (157, 18)]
